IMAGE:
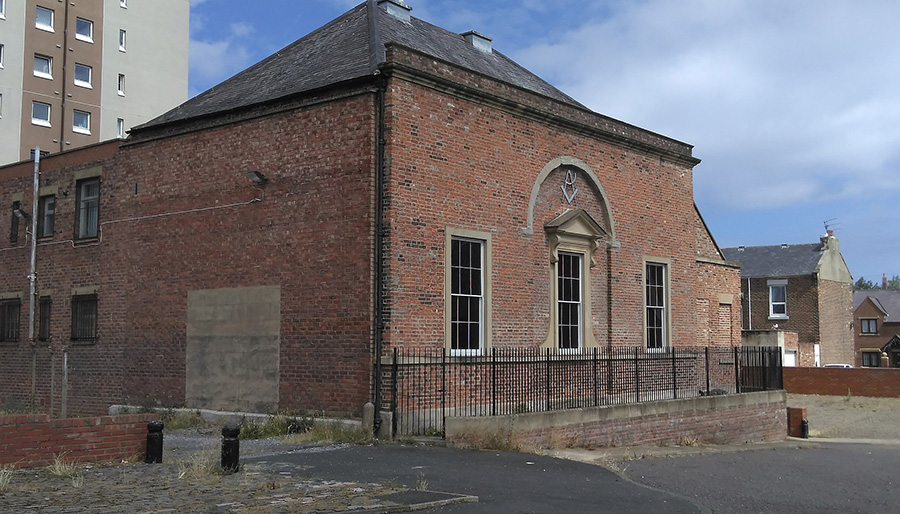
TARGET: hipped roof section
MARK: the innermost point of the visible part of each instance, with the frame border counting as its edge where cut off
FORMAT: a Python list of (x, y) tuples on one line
[(349, 47)]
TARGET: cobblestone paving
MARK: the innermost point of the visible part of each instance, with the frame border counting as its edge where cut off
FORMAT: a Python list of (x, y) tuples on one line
[(173, 487), (189, 480)]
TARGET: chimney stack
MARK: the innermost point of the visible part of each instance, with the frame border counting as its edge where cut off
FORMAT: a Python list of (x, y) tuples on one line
[(479, 41), (884, 281)]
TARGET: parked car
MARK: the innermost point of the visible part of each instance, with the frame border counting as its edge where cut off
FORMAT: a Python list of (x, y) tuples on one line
[(838, 366)]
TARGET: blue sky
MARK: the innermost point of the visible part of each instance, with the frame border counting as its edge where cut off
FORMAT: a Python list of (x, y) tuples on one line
[(792, 105)]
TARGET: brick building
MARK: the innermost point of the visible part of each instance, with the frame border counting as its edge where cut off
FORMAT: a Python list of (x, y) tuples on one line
[(381, 183), (805, 288), (876, 322)]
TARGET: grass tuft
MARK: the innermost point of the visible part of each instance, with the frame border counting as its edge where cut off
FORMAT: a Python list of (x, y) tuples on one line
[(275, 425), (332, 432), (204, 464), (175, 420), (6, 474)]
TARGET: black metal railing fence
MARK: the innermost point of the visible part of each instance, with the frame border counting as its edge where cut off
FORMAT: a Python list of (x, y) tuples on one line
[(426, 385)]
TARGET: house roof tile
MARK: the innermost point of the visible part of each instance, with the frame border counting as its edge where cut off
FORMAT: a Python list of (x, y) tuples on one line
[(777, 260)]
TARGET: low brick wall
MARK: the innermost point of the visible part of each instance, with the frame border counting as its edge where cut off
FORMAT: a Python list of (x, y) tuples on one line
[(31, 440), (736, 418), (876, 382)]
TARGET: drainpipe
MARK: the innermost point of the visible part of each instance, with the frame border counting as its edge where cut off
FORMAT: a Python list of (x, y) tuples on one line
[(65, 67), (32, 273), (749, 307), (378, 251)]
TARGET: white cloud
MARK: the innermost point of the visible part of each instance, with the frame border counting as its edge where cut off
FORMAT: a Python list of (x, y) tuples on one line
[(214, 61), (796, 99)]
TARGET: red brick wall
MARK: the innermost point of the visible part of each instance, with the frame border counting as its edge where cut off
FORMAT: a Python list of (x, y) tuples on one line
[(35, 440), (716, 420), (311, 234), (456, 162), (802, 307), (876, 382), (885, 331)]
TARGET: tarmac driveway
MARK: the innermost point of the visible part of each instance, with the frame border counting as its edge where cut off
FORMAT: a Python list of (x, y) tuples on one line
[(822, 478), (506, 482)]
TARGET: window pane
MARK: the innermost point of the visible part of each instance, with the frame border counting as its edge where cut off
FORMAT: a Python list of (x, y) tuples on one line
[(43, 66), (82, 74), (655, 301), (40, 112), (44, 18), (466, 301), (84, 29), (46, 216), (81, 122), (778, 293), (88, 208)]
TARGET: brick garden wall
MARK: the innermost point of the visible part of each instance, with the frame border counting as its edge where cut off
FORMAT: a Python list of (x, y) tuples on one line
[(875, 382), (35, 440), (714, 419)]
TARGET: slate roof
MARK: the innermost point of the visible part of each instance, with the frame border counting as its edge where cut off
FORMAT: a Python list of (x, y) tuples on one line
[(347, 48), (776, 261), (887, 301)]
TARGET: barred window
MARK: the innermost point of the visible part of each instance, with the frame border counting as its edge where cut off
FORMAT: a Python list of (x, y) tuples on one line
[(9, 320), (44, 320), (84, 317)]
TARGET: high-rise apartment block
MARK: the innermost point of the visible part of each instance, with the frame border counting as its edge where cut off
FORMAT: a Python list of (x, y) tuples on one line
[(76, 72)]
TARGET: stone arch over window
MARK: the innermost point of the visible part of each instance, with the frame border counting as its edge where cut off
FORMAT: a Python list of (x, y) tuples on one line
[(589, 175)]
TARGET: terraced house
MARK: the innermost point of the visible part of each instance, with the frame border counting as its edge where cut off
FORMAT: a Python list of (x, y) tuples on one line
[(379, 184)]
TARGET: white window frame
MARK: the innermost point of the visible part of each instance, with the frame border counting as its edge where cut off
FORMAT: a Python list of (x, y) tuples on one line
[(570, 267), (81, 83), (1, 54), (775, 285), (41, 121), (87, 38), (1, 105), (2, 9), (79, 129), (657, 313), (122, 40), (454, 236), (120, 84), (120, 128), (123, 4), (42, 74), (40, 26)]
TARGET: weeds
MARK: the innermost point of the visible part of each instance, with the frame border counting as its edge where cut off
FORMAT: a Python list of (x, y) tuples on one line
[(276, 425), (204, 464), (333, 432), (6, 474), (689, 441), (60, 467), (175, 420), (421, 483)]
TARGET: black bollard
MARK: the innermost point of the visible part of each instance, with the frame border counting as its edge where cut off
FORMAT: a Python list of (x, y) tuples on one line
[(804, 429), (154, 442), (231, 448)]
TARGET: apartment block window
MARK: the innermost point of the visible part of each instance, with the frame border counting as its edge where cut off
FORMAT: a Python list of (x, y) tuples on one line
[(569, 306), (869, 326), (14, 223), (84, 317), (1, 105), (43, 66), (656, 301), (2, 53), (84, 30), (466, 295), (83, 75), (44, 306), (3, 9), (40, 114), (88, 211), (81, 122), (123, 3), (121, 40), (777, 299), (120, 128), (121, 84), (9, 320), (44, 19), (46, 215)]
